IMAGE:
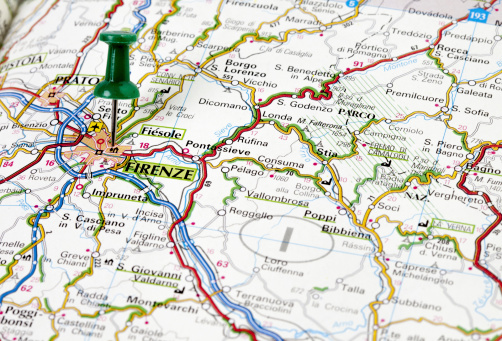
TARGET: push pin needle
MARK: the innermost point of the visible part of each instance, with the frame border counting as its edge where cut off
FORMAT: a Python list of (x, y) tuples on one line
[(116, 84), (114, 121)]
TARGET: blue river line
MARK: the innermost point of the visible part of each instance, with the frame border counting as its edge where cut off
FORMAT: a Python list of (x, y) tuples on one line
[(187, 242), (141, 17)]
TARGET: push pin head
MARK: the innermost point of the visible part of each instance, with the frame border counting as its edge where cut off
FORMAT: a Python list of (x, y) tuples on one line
[(116, 84)]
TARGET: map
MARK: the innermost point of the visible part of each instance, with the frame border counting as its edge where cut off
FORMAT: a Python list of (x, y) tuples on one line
[(292, 170)]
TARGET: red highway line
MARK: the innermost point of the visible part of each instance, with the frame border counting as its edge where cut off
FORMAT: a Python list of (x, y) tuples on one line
[(40, 156), (75, 130), (21, 90), (187, 210), (327, 92), (497, 221), (157, 150)]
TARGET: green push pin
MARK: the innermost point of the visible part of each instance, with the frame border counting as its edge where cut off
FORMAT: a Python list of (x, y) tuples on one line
[(117, 84)]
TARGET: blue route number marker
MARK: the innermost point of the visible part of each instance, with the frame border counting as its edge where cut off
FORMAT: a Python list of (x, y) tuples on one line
[(478, 15), (352, 3)]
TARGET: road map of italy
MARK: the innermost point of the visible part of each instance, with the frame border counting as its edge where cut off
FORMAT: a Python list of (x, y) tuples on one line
[(292, 170)]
